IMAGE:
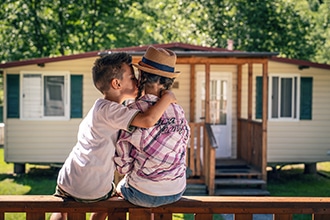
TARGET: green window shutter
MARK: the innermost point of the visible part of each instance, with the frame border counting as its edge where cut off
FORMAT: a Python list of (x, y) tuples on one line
[(1, 114), (306, 94), (12, 96), (258, 97), (76, 96)]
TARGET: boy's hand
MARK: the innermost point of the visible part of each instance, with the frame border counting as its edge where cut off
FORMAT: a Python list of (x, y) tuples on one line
[(168, 94)]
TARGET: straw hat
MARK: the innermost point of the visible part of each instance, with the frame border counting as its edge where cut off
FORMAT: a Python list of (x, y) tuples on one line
[(159, 62)]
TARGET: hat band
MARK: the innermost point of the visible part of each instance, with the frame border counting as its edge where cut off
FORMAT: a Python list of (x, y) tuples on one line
[(157, 65)]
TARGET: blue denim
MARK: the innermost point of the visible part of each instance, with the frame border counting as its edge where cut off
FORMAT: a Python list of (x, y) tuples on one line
[(141, 199)]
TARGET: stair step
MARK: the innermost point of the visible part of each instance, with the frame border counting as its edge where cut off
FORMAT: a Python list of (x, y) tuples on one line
[(233, 181), (236, 171), (241, 192), (196, 190), (236, 174)]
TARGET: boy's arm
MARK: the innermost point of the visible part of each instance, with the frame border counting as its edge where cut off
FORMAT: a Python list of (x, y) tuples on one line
[(153, 114)]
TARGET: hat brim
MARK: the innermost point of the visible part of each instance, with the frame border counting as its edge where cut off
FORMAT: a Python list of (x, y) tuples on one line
[(158, 72)]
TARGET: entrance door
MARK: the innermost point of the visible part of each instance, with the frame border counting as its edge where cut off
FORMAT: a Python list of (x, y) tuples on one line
[(220, 109)]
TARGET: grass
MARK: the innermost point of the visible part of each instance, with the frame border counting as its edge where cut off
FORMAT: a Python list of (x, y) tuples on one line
[(290, 181)]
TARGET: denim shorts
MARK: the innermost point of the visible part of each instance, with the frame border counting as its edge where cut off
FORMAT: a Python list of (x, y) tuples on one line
[(141, 199)]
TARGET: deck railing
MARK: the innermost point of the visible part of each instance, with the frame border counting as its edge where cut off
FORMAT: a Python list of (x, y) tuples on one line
[(203, 208)]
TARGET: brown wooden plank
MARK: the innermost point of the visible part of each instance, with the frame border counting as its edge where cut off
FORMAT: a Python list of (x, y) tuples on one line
[(198, 150), (282, 217), (321, 217), (2, 216), (192, 93), (203, 216), (35, 216), (239, 110), (320, 206), (118, 214), (191, 150), (264, 120), (162, 216), (212, 171), (140, 214), (243, 217), (249, 152), (76, 216)]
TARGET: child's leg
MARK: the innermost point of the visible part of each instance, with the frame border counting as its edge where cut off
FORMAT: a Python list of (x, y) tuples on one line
[(98, 216), (59, 216), (121, 183)]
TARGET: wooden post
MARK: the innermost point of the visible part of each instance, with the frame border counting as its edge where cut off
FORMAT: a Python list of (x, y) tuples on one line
[(321, 217), (243, 217), (192, 93), (140, 214), (249, 110), (76, 216), (35, 216), (118, 214), (239, 110), (212, 171), (203, 216), (162, 216), (211, 150), (264, 120), (282, 217)]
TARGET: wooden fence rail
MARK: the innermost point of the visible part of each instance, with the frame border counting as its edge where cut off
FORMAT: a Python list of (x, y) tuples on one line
[(243, 208)]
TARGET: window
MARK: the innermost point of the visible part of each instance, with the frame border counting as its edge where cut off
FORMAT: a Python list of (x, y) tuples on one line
[(283, 97), (56, 89), (290, 97), (45, 96)]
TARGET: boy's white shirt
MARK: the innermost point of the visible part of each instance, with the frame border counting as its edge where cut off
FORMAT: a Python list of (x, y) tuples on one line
[(89, 169)]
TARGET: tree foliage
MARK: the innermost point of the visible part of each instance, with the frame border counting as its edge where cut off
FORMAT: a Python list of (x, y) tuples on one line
[(294, 28)]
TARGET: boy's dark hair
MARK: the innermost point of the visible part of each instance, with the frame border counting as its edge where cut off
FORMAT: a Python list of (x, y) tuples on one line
[(109, 67), (152, 78)]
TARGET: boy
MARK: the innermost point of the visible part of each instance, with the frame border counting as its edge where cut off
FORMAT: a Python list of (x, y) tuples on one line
[(87, 174)]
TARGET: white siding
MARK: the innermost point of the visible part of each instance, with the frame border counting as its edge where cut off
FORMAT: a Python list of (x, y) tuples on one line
[(48, 141), (304, 140), (183, 92), (296, 141)]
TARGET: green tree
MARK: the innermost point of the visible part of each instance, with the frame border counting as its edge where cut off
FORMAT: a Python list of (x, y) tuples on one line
[(294, 28), (260, 25)]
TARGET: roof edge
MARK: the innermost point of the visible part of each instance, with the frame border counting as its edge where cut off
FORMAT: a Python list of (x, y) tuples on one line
[(302, 63), (184, 50)]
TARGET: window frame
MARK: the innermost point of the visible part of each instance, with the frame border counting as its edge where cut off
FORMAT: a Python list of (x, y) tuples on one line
[(295, 102), (66, 96)]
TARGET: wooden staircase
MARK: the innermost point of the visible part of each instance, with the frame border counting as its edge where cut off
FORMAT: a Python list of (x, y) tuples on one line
[(232, 178), (236, 178)]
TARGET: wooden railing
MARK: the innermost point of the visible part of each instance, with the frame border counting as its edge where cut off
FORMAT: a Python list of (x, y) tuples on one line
[(203, 208), (195, 150), (250, 142)]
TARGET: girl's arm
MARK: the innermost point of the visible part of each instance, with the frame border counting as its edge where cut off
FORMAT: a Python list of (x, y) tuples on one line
[(150, 117)]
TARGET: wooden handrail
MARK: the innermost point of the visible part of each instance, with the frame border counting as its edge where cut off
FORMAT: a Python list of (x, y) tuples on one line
[(35, 207)]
